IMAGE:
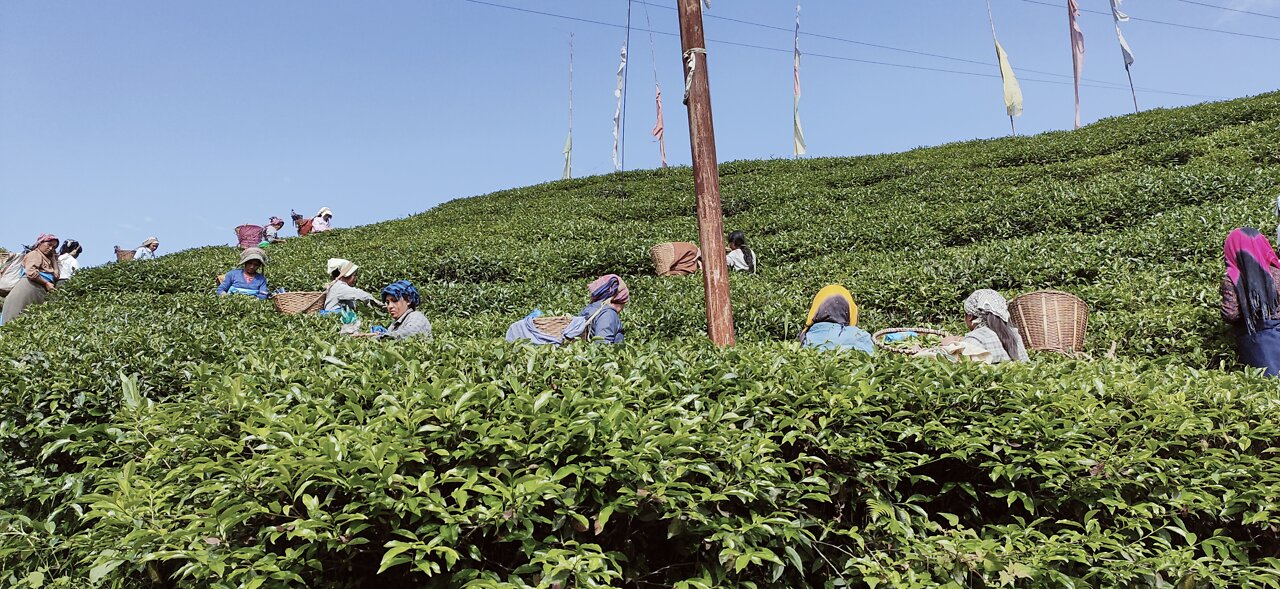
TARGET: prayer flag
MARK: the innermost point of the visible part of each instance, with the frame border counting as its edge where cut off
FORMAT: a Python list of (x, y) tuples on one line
[(1124, 45), (1077, 51), (568, 141), (1012, 91), (658, 128), (797, 132), (617, 112)]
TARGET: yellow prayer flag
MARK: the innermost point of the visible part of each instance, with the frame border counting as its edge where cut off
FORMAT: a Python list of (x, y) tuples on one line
[(1012, 92)]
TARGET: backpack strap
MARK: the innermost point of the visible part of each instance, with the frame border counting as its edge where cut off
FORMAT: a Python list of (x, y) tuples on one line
[(589, 330)]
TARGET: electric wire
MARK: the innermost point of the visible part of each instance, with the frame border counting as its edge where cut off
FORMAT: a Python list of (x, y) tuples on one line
[(1114, 86), (1161, 22), (1228, 9)]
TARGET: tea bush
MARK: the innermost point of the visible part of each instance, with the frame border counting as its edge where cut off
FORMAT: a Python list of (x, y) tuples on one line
[(152, 435)]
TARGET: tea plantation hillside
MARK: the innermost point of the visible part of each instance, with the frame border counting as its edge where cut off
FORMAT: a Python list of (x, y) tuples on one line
[(152, 435)]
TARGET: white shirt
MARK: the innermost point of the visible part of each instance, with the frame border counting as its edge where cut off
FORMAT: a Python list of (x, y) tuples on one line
[(68, 265), (144, 253), (319, 224), (340, 292), (737, 260)]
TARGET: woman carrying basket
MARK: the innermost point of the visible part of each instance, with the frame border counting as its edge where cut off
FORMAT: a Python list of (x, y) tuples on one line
[(832, 323), (600, 321), (248, 278), (147, 251), (1251, 298), (271, 231), (40, 273), (342, 292), (609, 294)]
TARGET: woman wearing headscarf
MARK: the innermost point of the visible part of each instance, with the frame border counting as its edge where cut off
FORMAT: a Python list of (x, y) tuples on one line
[(342, 293), (991, 335), (609, 294), (248, 278), (1251, 299), (402, 300), (832, 322), (320, 222), (40, 273), (271, 230), (68, 262), (147, 251)]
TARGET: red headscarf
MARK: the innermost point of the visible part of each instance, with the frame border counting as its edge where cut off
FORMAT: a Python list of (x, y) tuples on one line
[(1250, 258), (1253, 243)]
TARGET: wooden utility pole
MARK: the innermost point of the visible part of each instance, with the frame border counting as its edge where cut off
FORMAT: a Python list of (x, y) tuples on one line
[(706, 174)]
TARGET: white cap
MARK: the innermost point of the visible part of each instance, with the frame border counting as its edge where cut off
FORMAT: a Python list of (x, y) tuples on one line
[(344, 267)]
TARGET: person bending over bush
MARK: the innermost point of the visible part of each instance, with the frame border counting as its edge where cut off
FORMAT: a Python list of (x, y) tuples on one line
[(1251, 298), (832, 322)]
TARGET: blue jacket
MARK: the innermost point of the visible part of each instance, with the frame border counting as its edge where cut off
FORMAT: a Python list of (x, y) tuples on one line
[(235, 283), (833, 336), (607, 326)]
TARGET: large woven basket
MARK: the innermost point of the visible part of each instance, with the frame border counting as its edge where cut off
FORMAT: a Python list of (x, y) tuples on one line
[(1050, 320), (250, 235), (877, 338), (124, 255), (291, 303), (664, 256), (552, 325)]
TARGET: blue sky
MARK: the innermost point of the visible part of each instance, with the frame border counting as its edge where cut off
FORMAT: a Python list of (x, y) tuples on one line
[(130, 118)]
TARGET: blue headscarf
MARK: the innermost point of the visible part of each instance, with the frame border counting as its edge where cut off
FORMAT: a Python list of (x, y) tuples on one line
[(402, 290)]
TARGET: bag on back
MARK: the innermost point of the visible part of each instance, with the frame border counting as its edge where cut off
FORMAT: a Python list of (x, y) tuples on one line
[(10, 272)]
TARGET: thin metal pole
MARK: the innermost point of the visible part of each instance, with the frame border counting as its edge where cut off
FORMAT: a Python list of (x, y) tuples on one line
[(706, 180), (1132, 92), (992, 21)]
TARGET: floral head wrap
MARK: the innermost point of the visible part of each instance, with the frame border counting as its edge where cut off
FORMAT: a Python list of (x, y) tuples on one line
[(985, 300)]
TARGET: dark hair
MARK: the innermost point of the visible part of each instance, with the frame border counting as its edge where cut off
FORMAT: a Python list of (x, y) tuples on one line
[(1008, 339), (72, 247), (738, 240)]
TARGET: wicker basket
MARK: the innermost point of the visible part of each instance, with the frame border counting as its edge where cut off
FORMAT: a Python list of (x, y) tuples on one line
[(250, 235), (1050, 320), (290, 303), (663, 255), (124, 255), (877, 338), (552, 325)]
